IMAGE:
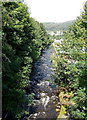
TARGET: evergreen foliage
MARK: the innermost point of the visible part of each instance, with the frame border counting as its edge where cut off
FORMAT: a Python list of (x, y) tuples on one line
[(71, 69), (23, 40)]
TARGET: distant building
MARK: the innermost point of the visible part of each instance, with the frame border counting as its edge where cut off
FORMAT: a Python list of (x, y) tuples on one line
[(55, 33)]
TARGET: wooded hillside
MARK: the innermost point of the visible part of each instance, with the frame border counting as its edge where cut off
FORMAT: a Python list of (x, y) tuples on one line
[(51, 26)]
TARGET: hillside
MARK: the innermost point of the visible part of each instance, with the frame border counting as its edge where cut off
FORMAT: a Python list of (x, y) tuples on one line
[(51, 26)]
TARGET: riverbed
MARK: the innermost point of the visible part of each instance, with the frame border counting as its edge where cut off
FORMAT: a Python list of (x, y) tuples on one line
[(44, 88)]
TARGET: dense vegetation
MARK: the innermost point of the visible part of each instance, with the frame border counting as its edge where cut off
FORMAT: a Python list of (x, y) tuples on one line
[(71, 67), (23, 40), (50, 26)]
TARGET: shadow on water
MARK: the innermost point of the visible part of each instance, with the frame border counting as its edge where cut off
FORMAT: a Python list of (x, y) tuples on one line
[(44, 106)]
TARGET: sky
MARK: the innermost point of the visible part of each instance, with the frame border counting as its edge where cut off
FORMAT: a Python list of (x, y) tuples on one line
[(55, 10)]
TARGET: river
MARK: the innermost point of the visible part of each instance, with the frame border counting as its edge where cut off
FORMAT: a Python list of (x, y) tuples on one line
[(43, 86)]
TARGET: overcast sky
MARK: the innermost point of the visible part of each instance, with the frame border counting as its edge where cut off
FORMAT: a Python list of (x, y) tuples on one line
[(55, 10)]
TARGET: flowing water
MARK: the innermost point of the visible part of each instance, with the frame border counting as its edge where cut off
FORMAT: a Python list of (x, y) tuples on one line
[(44, 88)]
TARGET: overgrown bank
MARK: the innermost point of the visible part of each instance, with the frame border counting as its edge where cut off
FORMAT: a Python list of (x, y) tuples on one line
[(23, 40), (70, 67)]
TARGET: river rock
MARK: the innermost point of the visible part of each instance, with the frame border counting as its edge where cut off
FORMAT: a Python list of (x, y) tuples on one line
[(45, 108)]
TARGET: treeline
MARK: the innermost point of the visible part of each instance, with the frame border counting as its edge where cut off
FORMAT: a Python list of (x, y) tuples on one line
[(23, 41), (71, 68), (50, 26)]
